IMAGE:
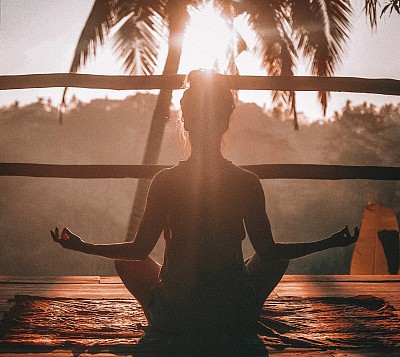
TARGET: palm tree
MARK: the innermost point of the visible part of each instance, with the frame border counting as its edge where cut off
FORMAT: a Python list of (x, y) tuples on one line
[(315, 29)]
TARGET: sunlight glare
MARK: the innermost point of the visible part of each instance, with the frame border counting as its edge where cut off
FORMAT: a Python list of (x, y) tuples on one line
[(207, 40)]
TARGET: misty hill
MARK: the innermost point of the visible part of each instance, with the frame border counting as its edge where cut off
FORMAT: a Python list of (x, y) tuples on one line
[(115, 132)]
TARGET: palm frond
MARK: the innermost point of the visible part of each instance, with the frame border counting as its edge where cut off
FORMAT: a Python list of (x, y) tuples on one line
[(370, 9), (97, 26), (154, 7), (137, 41), (268, 42), (274, 44), (275, 47), (104, 15), (392, 5), (321, 33)]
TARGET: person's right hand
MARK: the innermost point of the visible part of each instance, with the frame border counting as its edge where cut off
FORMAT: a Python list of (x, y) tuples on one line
[(67, 240)]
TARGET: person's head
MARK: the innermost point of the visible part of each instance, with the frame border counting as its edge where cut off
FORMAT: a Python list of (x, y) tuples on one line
[(206, 107)]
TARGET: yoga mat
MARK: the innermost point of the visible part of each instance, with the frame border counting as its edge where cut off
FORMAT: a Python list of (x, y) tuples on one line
[(96, 325)]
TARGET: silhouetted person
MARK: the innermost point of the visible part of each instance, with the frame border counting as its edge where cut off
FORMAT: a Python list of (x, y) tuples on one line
[(204, 206)]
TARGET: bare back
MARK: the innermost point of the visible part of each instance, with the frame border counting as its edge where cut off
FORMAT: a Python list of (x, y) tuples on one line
[(204, 222)]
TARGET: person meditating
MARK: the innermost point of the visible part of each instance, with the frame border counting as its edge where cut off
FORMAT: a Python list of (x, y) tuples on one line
[(204, 206)]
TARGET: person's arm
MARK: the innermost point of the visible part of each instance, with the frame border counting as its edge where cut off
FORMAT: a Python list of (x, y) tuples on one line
[(149, 232), (342, 238), (259, 230)]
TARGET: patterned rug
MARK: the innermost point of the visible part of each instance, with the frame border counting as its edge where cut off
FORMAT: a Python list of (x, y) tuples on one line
[(119, 325)]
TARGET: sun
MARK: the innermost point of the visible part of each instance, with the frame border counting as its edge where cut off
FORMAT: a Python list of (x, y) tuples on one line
[(207, 40)]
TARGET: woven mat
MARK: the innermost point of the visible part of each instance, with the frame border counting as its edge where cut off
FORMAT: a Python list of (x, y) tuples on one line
[(43, 324)]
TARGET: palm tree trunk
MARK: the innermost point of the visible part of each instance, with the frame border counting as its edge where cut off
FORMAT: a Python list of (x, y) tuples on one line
[(160, 118)]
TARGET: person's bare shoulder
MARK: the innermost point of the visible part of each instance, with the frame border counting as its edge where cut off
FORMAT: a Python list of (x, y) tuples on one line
[(247, 177), (165, 176)]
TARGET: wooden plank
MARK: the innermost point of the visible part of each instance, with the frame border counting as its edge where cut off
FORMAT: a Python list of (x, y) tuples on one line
[(310, 291), (347, 353), (78, 80), (60, 353), (299, 352), (110, 280), (176, 81), (119, 292), (306, 286), (64, 290), (325, 287), (352, 286), (344, 278), (109, 289), (263, 171), (64, 279), (366, 353)]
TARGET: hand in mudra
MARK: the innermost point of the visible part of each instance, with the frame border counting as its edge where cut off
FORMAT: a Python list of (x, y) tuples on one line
[(67, 239), (344, 238)]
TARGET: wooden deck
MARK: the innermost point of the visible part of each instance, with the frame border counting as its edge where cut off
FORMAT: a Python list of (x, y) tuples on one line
[(384, 286)]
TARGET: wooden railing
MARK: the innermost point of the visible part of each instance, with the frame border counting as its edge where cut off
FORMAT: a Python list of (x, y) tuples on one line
[(266, 171), (176, 81), (275, 171)]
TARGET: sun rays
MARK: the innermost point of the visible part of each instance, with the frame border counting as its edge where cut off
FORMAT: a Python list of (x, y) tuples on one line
[(207, 40)]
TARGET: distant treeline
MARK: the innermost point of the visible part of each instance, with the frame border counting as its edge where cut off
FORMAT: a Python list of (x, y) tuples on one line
[(108, 131)]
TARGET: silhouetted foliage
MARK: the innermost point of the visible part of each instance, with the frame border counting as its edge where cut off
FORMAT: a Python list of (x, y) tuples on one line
[(368, 117), (372, 8)]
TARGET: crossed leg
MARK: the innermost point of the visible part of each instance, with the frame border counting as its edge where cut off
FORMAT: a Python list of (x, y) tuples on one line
[(139, 277), (265, 276)]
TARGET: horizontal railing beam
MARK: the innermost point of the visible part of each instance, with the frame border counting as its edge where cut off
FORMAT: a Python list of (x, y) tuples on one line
[(266, 171), (176, 81)]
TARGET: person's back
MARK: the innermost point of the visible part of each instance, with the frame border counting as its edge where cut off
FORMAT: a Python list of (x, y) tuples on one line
[(204, 272)]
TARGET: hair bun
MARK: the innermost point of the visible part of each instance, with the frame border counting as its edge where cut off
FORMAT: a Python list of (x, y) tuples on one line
[(207, 89), (200, 77)]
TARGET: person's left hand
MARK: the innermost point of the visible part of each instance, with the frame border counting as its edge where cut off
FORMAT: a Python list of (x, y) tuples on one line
[(67, 239), (344, 238)]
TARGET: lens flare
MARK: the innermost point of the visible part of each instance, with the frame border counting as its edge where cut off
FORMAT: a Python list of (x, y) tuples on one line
[(207, 40)]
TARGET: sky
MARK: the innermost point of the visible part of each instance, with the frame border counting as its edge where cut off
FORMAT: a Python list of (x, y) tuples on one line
[(39, 36)]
